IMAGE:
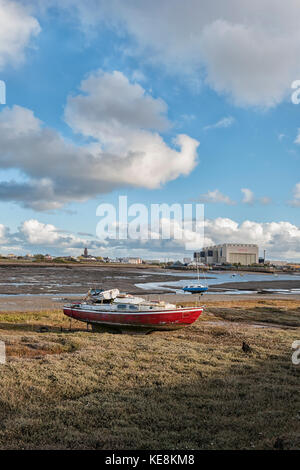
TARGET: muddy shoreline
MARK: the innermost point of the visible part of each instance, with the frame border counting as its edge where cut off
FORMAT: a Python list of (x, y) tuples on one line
[(37, 279), (38, 287), (254, 285)]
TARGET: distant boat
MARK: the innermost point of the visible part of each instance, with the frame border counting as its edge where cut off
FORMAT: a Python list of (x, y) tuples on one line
[(126, 312), (195, 288)]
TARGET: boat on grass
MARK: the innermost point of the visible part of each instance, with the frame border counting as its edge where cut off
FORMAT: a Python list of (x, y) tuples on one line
[(114, 310)]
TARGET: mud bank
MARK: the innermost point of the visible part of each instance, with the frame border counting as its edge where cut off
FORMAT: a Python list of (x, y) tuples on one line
[(35, 279)]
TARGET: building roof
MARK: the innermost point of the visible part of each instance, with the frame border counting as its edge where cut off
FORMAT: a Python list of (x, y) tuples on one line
[(229, 244)]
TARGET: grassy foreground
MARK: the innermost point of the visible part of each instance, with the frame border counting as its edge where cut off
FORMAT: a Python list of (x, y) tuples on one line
[(190, 389)]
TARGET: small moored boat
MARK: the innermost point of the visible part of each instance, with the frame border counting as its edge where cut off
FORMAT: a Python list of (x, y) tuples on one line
[(195, 288)]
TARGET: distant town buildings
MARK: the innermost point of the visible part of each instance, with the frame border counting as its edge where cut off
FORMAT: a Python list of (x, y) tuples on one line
[(86, 257), (228, 253), (127, 260), (177, 264), (223, 255), (135, 260), (277, 263), (152, 261)]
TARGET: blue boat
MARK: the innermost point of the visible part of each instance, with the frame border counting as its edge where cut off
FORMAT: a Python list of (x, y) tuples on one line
[(195, 288)]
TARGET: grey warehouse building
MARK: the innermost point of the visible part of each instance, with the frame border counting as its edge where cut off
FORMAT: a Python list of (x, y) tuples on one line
[(231, 253)]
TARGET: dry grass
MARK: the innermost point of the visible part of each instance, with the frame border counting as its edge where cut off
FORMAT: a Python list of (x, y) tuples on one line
[(190, 389), (273, 311)]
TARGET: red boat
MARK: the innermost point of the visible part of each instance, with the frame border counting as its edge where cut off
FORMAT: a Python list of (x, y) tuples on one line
[(126, 312)]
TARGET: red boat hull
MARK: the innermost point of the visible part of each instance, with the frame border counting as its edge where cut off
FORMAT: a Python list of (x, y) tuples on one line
[(168, 319)]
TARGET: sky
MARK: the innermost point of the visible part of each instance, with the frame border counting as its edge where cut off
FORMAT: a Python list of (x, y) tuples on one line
[(164, 102)]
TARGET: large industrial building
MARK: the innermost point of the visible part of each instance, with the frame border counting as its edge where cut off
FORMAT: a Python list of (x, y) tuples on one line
[(230, 253)]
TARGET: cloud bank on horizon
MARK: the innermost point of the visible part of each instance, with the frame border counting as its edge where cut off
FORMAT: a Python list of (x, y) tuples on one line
[(279, 239)]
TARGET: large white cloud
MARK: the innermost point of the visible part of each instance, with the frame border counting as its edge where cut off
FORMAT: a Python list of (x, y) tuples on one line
[(248, 50), (121, 119), (242, 61), (17, 28)]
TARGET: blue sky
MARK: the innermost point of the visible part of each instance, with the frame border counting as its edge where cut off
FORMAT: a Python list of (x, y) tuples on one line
[(246, 129)]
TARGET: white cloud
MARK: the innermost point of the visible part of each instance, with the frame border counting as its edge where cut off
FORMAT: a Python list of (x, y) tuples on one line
[(111, 107), (17, 28), (38, 236), (215, 197), (248, 196), (38, 233), (222, 123), (265, 201), (247, 50), (3, 233), (296, 199), (126, 149), (242, 60), (297, 140)]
